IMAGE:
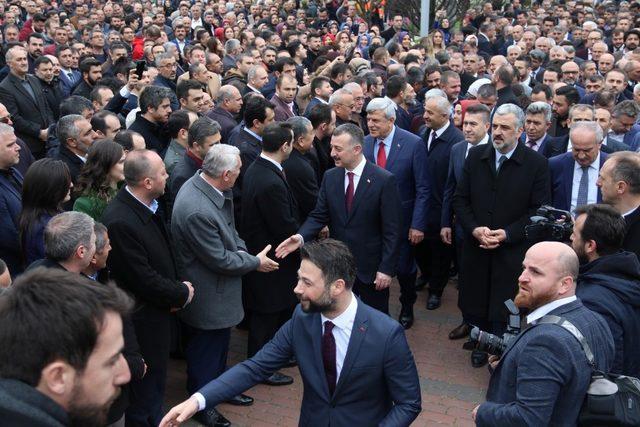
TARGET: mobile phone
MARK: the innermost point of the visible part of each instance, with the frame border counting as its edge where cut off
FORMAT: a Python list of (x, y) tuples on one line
[(140, 67)]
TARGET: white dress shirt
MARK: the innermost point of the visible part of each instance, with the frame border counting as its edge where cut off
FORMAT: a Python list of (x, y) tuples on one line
[(470, 145), (154, 204), (386, 142), (438, 132), (535, 144), (592, 196), (252, 133), (539, 312), (278, 165), (357, 173), (342, 331)]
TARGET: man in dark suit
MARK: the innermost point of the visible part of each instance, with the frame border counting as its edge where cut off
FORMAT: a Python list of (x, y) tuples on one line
[(574, 174), (10, 199), (321, 90), (475, 128), (269, 215), (356, 366), (155, 109), (359, 202), (50, 84), (433, 256), (404, 155), (502, 186), (203, 134), (283, 100), (76, 137), (536, 125), (228, 106), (618, 183), (564, 98), (258, 112), (503, 78), (142, 262), (91, 70), (323, 120), (577, 113), (69, 77), (543, 375), (22, 95), (301, 176)]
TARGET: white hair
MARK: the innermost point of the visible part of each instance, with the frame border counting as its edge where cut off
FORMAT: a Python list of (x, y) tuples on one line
[(588, 126), (219, 159), (505, 109), (383, 104), (442, 103)]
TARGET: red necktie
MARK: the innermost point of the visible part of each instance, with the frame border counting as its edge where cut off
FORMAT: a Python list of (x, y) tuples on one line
[(329, 356), (382, 156), (348, 199)]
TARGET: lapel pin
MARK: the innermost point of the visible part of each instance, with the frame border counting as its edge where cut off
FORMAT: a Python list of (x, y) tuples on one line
[(398, 145), (362, 328), (368, 180)]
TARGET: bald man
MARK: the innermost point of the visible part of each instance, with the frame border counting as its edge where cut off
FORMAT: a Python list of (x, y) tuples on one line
[(543, 375)]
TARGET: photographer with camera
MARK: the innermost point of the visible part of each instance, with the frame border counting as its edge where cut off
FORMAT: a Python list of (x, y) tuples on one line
[(543, 375), (609, 280)]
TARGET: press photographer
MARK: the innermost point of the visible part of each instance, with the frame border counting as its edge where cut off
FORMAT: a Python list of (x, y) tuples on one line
[(544, 374), (609, 280)]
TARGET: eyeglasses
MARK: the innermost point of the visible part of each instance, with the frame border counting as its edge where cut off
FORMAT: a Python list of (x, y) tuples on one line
[(6, 119)]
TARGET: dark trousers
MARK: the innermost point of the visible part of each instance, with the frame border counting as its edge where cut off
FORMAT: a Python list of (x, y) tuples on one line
[(370, 296), (407, 273), (206, 354), (263, 327), (434, 258)]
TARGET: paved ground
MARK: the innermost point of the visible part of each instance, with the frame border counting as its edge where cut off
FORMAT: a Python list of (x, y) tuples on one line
[(450, 386)]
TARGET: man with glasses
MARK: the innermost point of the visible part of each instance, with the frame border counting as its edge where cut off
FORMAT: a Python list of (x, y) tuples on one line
[(342, 103), (167, 74), (571, 75)]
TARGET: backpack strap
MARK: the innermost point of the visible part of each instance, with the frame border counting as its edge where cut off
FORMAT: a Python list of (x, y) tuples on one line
[(571, 328)]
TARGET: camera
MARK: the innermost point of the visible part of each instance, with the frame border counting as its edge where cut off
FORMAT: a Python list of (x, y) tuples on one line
[(493, 344), (549, 224)]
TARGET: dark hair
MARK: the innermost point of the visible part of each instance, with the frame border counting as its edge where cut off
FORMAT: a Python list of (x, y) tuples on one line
[(333, 258), (487, 90), (178, 120), (275, 135), (94, 176), (255, 108), (292, 47), (152, 97), (569, 92), (281, 62), (87, 63), (479, 109), (604, 225), (41, 60), (319, 114), (95, 95), (541, 87), (125, 138), (44, 189), (506, 74), (35, 36), (183, 88), (118, 45), (75, 104), (202, 128), (51, 314), (317, 83), (632, 31), (339, 68), (354, 132), (99, 119), (395, 85)]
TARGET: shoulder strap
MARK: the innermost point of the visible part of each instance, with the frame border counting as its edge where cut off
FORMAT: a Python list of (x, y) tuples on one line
[(571, 328)]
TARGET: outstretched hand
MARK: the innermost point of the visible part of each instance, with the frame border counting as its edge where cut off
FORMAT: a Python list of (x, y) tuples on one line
[(180, 413), (288, 246)]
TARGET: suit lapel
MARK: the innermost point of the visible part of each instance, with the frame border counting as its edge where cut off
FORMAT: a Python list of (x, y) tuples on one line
[(23, 91), (394, 150), (569, 171), (358, 334), (363, 185)]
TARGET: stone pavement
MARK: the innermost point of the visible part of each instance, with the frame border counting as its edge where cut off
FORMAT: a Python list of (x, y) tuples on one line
[(450, 386)]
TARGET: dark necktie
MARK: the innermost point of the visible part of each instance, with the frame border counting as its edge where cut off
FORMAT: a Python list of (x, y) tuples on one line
[(348, 199), (382, 155), (329, 356), (7, 173), (431, 140), (583, 187), (501, 160)]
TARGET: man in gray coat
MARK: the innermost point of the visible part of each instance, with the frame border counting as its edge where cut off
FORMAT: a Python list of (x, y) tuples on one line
[(213, 257)]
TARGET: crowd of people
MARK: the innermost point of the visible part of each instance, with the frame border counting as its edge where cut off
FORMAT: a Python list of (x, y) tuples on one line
[(277, 166)]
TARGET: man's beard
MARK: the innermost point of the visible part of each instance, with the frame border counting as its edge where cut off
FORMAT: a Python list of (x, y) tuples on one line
[(88, 415), (530, 302), (323, 304), (93, 82)]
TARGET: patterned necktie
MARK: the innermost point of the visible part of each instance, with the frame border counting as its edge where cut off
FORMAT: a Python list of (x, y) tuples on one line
[(431, 140), (329, 356), (501, 160), (382, 155), (583, 188), (348, 199)]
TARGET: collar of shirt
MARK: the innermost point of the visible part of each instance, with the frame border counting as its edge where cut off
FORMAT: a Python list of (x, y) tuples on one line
[(255, 135), (537, 141), (322, 100), (357, 171), (630, 212), (389, 138), (482, 142), (154, 204), (253, 88), (205, 180), (440, 131), (594, 165), (389, 99), (346, 319), (278, 165), (84, 159), (509, 154), (539, 312)]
